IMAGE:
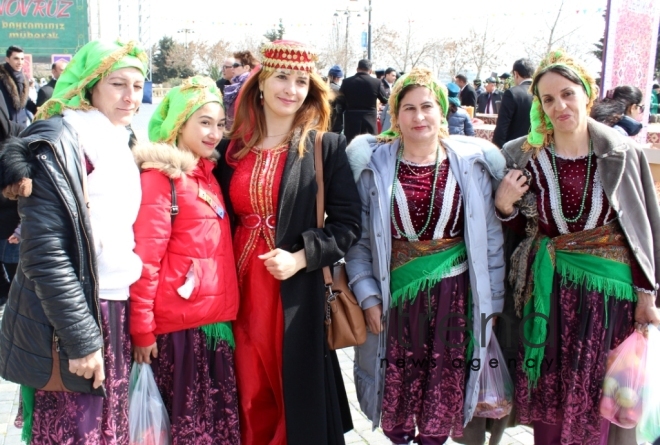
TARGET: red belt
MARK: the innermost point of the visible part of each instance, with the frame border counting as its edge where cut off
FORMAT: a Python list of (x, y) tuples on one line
[(254, 221)]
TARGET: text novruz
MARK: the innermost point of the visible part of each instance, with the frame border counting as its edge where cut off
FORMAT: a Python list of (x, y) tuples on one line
[(36, 8)]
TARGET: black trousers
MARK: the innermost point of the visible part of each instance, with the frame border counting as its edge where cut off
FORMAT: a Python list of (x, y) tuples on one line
[(357, 122)]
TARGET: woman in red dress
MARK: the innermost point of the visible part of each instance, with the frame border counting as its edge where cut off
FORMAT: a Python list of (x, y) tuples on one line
[(289, 383)]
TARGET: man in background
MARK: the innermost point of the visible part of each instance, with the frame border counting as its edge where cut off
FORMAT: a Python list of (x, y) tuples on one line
[(489, 101), (227, 74), (46, 91), (361, 93), (513, 116), (468, 95)]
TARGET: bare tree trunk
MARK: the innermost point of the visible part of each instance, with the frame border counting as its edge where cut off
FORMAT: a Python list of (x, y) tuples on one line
[(554, 26)]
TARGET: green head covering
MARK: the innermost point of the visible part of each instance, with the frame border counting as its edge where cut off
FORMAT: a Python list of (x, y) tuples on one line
[(178, 105), (541, 132), (417, 76), (90, 64)]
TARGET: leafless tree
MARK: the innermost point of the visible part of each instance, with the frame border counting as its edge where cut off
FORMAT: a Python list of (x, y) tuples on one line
[(403, 48), (211, 57), (484, 47)]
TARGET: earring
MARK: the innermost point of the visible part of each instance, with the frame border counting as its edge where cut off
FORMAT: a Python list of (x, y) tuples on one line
[(261, 94)]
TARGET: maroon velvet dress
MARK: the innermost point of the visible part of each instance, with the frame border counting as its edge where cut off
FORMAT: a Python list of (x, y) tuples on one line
[(564, 406), (424, 388)]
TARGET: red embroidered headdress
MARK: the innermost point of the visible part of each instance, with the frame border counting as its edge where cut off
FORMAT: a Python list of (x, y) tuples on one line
[(288, 55)]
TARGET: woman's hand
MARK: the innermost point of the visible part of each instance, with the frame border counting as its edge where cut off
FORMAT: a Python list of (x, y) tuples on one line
[(21, 188), (511, 189), (13, 239), (373, 316), (282, 264), (645, 311), (143, 354), (88, 367)]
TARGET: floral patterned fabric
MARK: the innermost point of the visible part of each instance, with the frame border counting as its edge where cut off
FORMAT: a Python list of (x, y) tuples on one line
[(198, 387), (569, 389), (66, 418), (426, 364)]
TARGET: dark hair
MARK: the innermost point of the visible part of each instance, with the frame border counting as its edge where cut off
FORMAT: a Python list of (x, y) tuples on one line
[(557, 69), (13, 49), (608, 112), (461, 77), (655, 85), (626, 94), (52, 67), (389, 70), (524, 67), (364, 65), (246, 58)]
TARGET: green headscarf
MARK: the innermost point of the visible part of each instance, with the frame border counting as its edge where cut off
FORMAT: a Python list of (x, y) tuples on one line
[(417, 76), (90, 64), (178, 105), (541, 130)]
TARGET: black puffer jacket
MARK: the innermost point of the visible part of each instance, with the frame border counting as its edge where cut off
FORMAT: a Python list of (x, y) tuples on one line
[(54, 296)]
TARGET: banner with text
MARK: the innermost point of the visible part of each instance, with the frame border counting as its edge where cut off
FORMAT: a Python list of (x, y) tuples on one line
[(44, 27)]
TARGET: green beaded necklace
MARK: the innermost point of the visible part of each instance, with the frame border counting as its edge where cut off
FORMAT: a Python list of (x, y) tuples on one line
[(586, 185), (393, 198)]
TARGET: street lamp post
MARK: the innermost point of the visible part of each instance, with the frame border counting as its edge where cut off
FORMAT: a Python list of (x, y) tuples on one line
[(185, 32), (369, 34)]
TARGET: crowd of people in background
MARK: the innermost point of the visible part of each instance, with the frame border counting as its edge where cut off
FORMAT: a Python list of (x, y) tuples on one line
[(199, 253)]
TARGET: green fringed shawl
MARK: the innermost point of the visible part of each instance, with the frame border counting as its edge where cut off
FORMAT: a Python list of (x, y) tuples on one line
[(608, 277), (422, 273), (216, 332), (27, 399)]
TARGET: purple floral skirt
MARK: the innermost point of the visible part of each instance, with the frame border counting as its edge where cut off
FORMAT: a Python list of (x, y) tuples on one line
[(425, 373), (568, 391), (83, 419), (198, 387)]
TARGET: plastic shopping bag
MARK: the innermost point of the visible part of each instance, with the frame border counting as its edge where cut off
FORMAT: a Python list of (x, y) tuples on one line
[(624, 382), (496, 387), (148, 421), (648, 428)]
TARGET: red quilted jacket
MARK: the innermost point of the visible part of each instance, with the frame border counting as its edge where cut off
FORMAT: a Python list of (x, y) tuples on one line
[(195, 249)]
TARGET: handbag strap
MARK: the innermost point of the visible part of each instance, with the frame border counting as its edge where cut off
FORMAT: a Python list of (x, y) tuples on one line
[(320, 195), (174, 208)]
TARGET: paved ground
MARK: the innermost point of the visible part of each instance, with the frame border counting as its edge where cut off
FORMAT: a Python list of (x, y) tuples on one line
[(362, 434)]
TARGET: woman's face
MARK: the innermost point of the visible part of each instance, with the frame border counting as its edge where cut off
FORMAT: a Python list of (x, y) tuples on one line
[(284, 92), (564, 102), (636, 111), (202, 131), (240, 69), (419, 116), (119, 95)]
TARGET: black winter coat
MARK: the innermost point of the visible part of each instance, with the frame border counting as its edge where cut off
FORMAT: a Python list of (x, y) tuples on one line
[(513, 115), (315, 402), (54, 295)]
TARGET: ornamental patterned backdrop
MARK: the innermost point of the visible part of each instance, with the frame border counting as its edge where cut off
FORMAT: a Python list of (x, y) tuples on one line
[(631, 37)]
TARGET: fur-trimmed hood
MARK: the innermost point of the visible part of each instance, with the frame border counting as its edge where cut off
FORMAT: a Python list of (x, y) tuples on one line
[(166, 158), (18, 101)]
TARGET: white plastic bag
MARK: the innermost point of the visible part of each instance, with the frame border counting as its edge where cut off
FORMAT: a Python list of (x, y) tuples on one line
[(148, 421), (496, 387), (648, 428), (624, 382)]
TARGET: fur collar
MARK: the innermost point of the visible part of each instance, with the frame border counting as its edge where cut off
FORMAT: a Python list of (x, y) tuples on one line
[(166, 158), (8, 81)]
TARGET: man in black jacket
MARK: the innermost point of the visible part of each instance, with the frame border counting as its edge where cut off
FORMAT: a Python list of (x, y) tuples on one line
[(361, 93), (467, 95), (46, 91), (15, 88), (513, 116), (489, 101)]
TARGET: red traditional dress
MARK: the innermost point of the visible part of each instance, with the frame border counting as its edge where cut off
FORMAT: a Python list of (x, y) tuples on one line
[(259, 328)]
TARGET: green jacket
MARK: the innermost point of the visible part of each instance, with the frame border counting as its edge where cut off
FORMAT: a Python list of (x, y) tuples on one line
[(655, 103)]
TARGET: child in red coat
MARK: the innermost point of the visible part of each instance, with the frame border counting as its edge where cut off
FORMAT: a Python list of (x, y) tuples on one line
[(188, 293)]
